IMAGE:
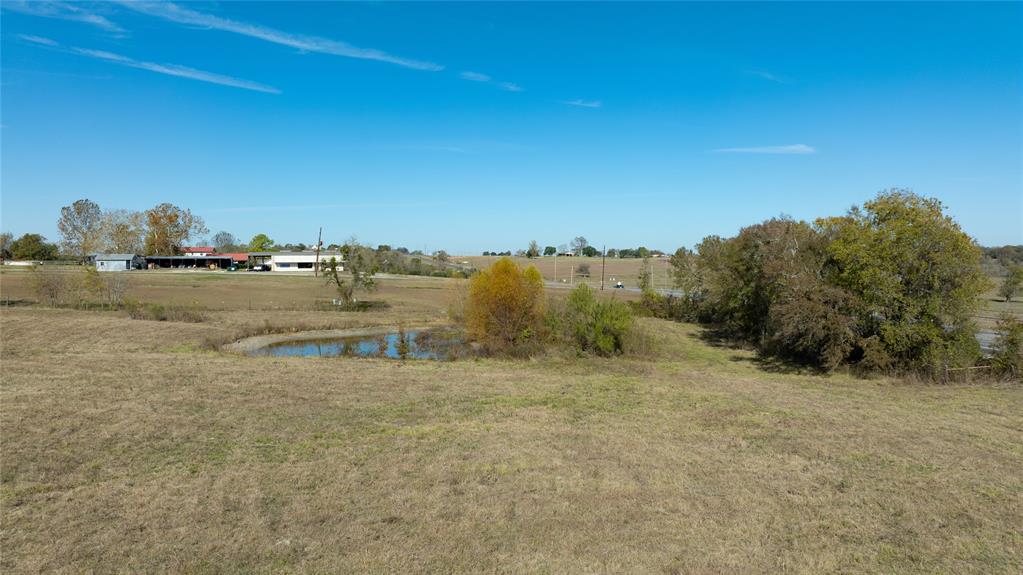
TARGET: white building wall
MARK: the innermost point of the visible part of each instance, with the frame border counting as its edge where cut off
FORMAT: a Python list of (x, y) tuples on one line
[(298, 262), (111, 265)]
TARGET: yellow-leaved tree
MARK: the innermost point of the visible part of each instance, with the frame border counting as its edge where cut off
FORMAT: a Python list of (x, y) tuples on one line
[(505, 306)]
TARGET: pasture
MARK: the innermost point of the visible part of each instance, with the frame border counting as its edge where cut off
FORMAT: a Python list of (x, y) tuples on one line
[(624, 270), (132, 446)]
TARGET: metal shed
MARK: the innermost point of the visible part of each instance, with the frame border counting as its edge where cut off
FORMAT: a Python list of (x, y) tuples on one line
[(118, 262)]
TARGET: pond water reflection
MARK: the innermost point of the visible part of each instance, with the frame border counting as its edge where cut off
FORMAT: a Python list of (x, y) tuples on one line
[(419, 344)]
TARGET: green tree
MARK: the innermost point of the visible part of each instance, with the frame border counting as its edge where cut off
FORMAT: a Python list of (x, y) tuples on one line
[(645, 277), (80, 226), (596, 326), (590, 251), (33, 247), (169, 227), (916, 274), (1008, 354), (550, 251), (361, 276), (261, 243), (1012, 283)]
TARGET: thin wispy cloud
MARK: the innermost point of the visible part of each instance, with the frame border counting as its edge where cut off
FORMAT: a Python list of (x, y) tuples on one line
[(63, 11), (183, 15), (38, 40), (789, 149), (764, 74), (168, 69), (583, 103), (485, 79), (475, 77)]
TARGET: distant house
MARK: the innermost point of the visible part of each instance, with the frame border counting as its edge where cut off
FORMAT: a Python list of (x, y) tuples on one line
[(198, 251), (292, 261), (118, 262)]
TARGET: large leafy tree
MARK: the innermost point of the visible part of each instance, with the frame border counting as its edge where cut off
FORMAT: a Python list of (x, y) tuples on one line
[(261, 243), (917, 276), (123, 231), (169, 227), (33, 247), (80, 226)]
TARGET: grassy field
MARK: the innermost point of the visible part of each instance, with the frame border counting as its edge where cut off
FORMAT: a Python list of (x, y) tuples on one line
[(127, 446), (624, 270)]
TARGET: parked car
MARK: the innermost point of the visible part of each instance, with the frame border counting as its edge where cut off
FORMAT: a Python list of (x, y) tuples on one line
[(261, 268), (619, 285)]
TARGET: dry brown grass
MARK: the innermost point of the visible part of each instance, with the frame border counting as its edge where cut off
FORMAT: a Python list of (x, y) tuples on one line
[(626, 270), (125, 448)]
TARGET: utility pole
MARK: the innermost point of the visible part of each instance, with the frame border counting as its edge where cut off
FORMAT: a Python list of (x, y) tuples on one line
[(319, 242), (555, 267), (603, 259)]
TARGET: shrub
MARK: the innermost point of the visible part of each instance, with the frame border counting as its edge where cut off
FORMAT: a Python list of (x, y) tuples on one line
[(595, 326), (158, 312), (504, 307), (49, 287), (1008, 357)]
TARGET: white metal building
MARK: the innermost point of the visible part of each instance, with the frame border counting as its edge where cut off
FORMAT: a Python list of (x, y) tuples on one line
[(118, 262), (293, 261)]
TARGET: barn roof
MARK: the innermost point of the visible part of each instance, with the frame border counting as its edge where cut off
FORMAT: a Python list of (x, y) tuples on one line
[(117, 257)]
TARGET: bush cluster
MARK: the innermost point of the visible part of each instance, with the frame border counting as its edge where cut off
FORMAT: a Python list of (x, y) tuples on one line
[(505, 312), (599, 327), (890, 286), (504, 308)]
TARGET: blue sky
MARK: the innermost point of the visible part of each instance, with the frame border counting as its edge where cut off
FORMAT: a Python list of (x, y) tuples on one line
[(471, 127)]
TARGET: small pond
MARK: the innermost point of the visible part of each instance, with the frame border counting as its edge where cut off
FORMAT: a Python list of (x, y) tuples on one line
[(421, 344)]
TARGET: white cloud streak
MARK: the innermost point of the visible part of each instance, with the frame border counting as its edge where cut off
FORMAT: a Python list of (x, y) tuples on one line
[(168, 69), (62, 11), (583, 103), (768, 76), (182, 15), (478, 77), (38, 40), (475, 77), (789, 149)]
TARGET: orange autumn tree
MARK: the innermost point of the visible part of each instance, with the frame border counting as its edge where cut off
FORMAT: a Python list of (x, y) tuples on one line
[(505, 306)]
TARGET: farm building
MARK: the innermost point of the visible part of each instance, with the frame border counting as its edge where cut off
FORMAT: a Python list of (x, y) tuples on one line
[(291, 261), (117, 262), (198, 251), (238, 258), (189, 262)]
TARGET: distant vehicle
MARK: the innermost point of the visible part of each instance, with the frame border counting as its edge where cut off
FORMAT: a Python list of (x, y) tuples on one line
[(261, 268), (619, 285), (232, 268)]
